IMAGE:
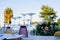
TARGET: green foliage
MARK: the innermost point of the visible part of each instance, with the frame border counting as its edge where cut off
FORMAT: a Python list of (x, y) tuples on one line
[(52, 29), (47, 9), (47, 13), (38, 30), (58, 21)]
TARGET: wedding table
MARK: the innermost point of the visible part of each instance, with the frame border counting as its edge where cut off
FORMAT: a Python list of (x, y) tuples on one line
[(10, 36)]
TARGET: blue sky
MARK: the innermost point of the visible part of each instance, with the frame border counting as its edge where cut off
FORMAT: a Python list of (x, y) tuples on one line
[(27, 6)]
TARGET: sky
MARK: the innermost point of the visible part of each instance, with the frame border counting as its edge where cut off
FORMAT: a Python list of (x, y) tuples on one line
[(27, 6)]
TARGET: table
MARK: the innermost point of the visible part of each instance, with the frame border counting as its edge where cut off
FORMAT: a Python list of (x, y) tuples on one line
[(10, 36), (32, 37)]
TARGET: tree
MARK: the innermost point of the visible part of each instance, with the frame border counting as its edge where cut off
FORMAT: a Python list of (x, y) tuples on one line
[(8, 15), (58, 21), (47, 13), (49, 27)]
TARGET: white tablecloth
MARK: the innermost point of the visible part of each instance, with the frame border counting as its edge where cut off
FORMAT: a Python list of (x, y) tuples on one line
[(9, 36), (32, 37)]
